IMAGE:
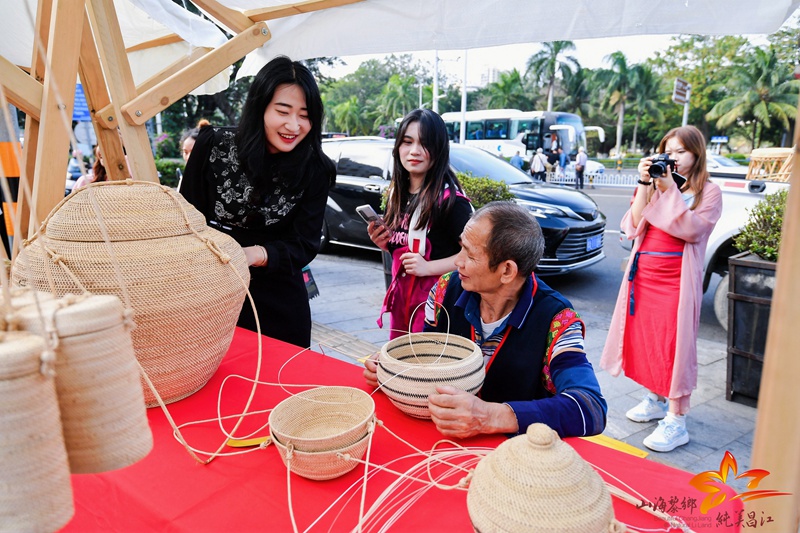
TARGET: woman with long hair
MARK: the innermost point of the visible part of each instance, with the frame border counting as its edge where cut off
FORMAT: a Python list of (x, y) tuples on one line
[(98, 173), (425, 214), (653, 332), (266, 183)]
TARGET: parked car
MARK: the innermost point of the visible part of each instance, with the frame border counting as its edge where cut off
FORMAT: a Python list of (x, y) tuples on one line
[(572, 224), (720, 166)]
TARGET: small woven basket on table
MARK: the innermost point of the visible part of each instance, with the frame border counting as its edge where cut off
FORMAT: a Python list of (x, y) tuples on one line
[(315, 428), (537, 483), (410, 367), (185, 281)]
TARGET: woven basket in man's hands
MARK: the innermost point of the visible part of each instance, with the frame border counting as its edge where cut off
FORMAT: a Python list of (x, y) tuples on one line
[(312, 429), (410, 367), (184, 279)]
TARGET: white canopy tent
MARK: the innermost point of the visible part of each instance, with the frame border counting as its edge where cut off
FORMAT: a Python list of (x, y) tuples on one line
[(136, 57)]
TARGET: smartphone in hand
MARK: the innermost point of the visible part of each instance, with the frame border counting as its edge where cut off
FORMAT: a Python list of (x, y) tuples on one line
[(368, 214)]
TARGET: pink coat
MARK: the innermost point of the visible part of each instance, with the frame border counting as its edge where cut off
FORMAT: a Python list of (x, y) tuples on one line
[(668, 212)]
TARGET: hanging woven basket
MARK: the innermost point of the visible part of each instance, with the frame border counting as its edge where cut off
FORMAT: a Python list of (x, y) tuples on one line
[(412, 366), (185, 281), (312, 429), (536, 483), (35, 489), (97, 379)]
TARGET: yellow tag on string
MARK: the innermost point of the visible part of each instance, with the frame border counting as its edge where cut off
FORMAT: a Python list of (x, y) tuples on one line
[(246, 443)]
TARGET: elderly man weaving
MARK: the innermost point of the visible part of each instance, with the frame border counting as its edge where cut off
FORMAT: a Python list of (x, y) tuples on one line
[(531, 338)]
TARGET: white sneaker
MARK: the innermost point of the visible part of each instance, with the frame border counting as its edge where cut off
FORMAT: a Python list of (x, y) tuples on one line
[(648, 409), (667, 436)]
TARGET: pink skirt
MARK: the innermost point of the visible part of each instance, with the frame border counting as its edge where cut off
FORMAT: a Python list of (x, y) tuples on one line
[(648, 352)]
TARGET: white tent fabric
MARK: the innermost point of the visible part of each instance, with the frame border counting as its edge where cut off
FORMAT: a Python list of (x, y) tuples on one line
[(383, 26), (386, 26), (140, 21)]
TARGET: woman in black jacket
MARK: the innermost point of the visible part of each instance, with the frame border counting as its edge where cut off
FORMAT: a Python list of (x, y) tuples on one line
[(266, 183)]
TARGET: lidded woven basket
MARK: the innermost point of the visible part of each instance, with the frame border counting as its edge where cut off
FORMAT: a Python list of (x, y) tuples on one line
[(412, 366), (186, 282), (35, 489), (536, 483), (97, 380), (311, 429)]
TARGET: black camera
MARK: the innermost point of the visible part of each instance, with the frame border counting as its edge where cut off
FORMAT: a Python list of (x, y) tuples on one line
[(659, 166), (659, 169)]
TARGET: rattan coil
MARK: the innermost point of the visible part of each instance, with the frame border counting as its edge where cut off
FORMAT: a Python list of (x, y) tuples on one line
[(536, 483), (410, 367), (177, 272), (97, 379), (35, 490)]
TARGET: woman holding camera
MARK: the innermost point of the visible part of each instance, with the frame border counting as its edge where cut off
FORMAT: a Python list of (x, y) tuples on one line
[(653, 332), (425, 214)]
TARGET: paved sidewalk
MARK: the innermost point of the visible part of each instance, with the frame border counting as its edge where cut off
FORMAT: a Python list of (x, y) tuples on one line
[(351, 294)]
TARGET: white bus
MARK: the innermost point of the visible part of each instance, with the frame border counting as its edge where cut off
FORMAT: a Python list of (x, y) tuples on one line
[(504, 131)]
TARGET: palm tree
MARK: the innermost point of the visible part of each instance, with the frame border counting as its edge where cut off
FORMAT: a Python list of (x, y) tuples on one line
[(509, 92), (546, 63), (762, 90), (578, 91), (349, 116), (647, 92), (617, 81), (398, 97)]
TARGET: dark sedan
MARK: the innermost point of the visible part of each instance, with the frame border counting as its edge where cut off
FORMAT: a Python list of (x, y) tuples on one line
[(573, 226)]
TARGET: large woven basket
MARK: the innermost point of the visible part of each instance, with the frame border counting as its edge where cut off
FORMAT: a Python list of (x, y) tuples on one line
[(317, 424), (97, 379), (536, 483), (410, 367), (184, 279), (35, 489)]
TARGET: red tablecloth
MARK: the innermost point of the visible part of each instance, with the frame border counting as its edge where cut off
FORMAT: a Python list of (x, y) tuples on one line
[(169, 491)]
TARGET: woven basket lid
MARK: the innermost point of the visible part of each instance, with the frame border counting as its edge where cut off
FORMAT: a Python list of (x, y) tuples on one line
[(75, 315), (21, 297), (148, 212), (538, 483), (20, 354)]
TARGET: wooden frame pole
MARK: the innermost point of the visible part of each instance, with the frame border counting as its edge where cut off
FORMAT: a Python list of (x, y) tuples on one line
[(49, 173), (121, 89), (776, 442)]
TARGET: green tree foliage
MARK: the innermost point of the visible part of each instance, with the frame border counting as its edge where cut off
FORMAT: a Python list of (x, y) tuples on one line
[(368, 84), (762, 91), (349, 115), (762, 233), (509, 92), (706, 62), (578, 87), (785, 40), (545, 64), (647, 91), (618, 81), (399, 96)]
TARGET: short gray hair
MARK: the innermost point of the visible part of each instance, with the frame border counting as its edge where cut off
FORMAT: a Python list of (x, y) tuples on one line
[(515, 235)]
